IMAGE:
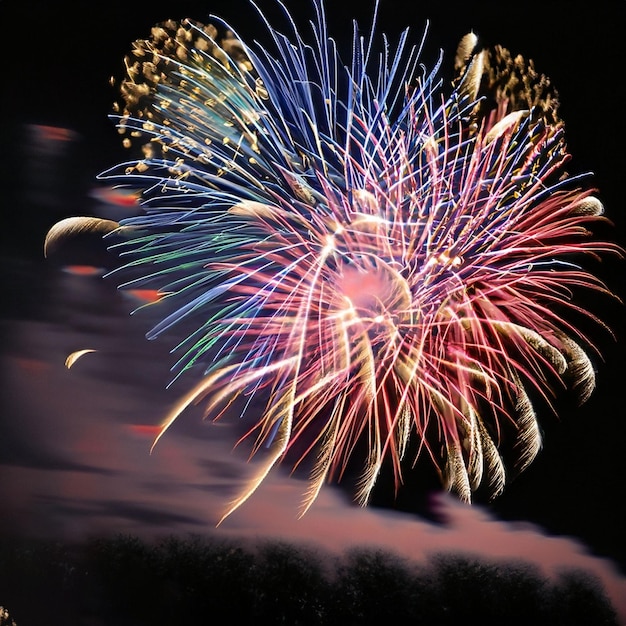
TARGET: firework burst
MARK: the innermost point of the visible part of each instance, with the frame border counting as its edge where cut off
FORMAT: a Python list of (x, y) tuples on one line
[(379, 261)]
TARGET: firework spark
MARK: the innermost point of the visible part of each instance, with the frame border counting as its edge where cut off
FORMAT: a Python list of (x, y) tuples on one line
[(379, 261)]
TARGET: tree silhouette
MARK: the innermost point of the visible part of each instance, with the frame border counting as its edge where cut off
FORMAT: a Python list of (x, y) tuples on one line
[(491, 593), (373, 586), (123, 581), (290, 587), (578, 599)]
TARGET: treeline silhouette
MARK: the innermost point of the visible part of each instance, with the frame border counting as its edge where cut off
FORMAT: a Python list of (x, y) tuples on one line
[(124, 581)]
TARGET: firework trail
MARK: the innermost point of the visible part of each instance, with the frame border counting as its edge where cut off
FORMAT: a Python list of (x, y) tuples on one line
[(380, 262)]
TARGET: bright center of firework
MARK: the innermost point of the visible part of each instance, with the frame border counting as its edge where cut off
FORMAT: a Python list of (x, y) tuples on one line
[(375, 292), (366, 291)]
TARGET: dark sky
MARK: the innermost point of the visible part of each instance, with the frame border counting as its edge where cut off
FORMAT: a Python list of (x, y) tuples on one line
[(57, 62)]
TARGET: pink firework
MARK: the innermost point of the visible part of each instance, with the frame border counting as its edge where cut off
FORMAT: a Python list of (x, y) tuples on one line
[(380, 262)]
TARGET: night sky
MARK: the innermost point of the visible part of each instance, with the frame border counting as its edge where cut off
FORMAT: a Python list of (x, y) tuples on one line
[(74, 445)]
